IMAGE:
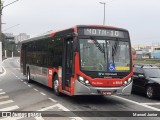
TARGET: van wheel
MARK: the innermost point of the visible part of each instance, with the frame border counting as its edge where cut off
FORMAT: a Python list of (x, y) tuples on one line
[(28, 76), (56, 85)]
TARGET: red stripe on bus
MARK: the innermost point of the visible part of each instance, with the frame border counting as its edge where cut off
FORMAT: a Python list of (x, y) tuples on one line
[(75, 29), (52, 34), (102, 26)]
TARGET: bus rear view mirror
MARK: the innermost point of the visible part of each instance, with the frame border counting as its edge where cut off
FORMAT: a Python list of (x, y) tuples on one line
[(141, 76), (75, 42)]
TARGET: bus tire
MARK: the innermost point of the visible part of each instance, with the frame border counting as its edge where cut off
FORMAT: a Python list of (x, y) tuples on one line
[(28, 76), (56, 85)]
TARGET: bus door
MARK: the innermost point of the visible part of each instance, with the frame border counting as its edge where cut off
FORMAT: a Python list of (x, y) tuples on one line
[(24, 59), (67, 64)]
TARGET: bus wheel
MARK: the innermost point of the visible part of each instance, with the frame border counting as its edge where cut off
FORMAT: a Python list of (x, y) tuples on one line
[(28, 76), (56, 85)]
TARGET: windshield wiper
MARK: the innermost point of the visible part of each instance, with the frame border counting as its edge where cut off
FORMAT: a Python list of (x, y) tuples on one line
[(98, 45), (114, 50), (102, 49)]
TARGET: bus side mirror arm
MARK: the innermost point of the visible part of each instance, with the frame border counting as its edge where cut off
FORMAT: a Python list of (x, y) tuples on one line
[(75, 42)]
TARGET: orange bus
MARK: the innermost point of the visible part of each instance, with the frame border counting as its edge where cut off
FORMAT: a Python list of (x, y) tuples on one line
[(82, 60)]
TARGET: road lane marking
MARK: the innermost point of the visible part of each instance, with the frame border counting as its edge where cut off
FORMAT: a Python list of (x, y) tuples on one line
[(3, 69), (36, 90), (5, 102), (12, 118), (53, 106), (25, 83), (0, 89), (2, 97), (38, 118), (18, 61), (9, 108), (134, 102), (2, 93), (52, 100), (42, 93), (151, 103), (29, 86), (61, 107)]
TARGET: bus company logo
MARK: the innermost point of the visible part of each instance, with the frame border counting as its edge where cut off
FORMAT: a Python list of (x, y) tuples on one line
[(97, 83), (100, 74)]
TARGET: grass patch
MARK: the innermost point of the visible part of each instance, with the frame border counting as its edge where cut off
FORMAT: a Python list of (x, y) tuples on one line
[(147, 61)]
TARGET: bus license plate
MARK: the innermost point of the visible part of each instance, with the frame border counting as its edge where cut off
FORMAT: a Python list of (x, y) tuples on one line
[(106, 92)]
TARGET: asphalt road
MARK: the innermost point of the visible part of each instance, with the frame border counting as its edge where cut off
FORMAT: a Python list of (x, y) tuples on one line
[(18, 95)]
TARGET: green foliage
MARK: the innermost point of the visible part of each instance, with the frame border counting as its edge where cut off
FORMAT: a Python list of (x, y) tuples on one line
[(9, 46), (147, 61)]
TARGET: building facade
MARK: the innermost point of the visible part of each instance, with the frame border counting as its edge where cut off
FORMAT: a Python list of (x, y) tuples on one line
[(21, 37)]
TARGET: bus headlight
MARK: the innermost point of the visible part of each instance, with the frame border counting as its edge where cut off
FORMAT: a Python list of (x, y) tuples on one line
[(83, 81), (127, 82), (81, 78)]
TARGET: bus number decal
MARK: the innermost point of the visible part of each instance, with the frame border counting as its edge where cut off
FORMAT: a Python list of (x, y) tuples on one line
[(50, 72)]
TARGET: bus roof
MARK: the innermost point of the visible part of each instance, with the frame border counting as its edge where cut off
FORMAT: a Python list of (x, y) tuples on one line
[(72, 28)]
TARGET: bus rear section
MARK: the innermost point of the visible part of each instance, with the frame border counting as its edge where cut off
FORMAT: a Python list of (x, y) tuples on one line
[(84, 60)]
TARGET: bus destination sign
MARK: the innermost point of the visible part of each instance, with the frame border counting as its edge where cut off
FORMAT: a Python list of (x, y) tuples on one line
[(104, 32)]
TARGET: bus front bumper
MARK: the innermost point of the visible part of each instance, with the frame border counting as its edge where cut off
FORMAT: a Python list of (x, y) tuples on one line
[(81, 89)]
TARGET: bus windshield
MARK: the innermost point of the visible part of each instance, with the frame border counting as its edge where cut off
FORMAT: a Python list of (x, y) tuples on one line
[(112, 55)]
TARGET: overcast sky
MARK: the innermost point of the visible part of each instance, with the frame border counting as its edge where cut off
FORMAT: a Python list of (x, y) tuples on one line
[(140, 17)]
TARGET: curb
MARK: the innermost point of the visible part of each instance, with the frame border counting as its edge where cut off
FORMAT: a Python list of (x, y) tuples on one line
[(4, 68)]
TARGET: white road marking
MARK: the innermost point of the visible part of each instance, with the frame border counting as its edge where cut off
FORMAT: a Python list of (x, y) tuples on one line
[(29, 86), (61, 107), (3, 69), (53, 106), (11, 118), (38, 118), (18, 78), (42, 93), (18, 61), (5, 102), (9, 108), (0, 89), (2, 97), (2, 93), (25, 83), (134, 102), (151, 103), (52, 100), (36, 89)]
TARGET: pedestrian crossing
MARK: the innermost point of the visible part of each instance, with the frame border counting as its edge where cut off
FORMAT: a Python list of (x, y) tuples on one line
[(6, 104)]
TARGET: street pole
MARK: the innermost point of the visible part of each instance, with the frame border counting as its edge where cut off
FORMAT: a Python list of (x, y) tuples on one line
[(12, 50), (104, 19)]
